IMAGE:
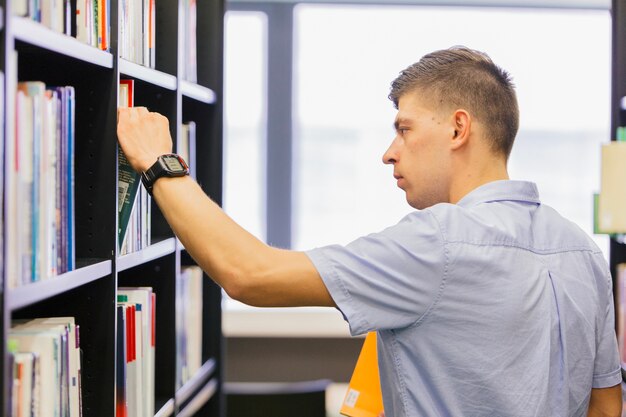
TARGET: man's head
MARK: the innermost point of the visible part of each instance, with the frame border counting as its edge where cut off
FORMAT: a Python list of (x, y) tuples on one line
[(457, 113)]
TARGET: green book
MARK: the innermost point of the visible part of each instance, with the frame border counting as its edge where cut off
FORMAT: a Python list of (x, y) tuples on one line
[(127, 185)]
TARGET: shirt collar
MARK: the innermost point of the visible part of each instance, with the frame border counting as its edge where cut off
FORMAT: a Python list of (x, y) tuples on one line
[(504, 190)]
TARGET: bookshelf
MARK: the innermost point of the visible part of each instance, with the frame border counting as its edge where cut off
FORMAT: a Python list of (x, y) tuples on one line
[(617, 248), (29, 51)]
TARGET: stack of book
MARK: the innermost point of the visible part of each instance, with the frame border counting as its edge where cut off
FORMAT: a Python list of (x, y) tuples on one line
[(45, 376), (137, 31), (135, 353), (89, 24), (190, 60), (41, 184), (134, 202), (188, 324)]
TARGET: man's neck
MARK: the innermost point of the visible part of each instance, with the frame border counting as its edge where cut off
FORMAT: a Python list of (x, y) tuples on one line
[(472, 179)]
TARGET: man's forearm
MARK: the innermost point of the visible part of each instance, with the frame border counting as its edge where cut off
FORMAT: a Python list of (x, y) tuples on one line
[(605, 402), (248, 269)]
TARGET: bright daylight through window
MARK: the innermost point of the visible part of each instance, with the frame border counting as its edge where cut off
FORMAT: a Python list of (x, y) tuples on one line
[(343, 120)]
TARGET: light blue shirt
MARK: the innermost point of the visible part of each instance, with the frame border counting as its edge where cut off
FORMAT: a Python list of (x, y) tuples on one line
[(495, 306)]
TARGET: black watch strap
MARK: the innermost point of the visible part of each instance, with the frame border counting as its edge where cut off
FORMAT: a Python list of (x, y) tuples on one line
[(168, 165)]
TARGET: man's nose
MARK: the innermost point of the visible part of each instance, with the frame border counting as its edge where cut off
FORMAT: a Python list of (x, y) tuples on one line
[(390, 156)]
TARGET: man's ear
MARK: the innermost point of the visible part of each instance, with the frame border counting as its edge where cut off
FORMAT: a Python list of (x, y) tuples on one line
[(461, 123)]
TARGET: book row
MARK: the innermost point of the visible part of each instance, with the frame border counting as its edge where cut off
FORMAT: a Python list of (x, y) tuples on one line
[(137, 31), (45, 368), (89, 22), (41, 180), (188, 324), (135, 352)]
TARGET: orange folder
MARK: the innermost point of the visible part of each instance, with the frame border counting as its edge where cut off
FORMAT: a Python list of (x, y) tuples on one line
[(364, 397)]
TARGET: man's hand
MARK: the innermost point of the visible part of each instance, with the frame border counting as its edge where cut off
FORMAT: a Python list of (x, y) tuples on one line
[(143, 136)]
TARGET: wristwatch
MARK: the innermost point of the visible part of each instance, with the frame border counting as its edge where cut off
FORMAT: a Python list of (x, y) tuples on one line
[(168, 165)]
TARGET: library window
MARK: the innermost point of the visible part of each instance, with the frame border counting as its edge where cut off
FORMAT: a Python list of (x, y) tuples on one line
[(343, 120), (245, 119)]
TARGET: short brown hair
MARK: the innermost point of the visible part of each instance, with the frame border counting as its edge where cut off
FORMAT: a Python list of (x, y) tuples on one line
[(460, 77)]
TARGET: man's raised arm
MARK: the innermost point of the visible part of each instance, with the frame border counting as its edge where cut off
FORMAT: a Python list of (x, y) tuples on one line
[(248, 269)]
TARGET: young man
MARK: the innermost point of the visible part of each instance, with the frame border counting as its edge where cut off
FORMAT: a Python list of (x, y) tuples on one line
[(486, 301)]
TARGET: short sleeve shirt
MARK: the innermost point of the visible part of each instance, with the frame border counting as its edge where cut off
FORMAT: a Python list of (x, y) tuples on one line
[(494, 306)]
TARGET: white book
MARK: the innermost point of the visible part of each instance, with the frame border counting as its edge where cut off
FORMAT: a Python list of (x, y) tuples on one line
[(74, 358), (62, 329), (82, 26), (47, 346), (194, 317), (143, 296), (19, 7), (27, 388)]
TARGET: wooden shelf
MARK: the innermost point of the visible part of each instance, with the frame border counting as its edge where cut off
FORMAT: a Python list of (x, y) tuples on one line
[(36, 34), (197, 92), (157, 250), (29, 294), (148, 75)]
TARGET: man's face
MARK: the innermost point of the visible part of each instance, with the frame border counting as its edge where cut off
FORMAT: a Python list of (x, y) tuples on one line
[(420, 152)]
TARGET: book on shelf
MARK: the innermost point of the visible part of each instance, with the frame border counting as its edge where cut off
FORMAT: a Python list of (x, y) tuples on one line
[(46, 373), (364, 396), (186, 147), (89, 23), (188, 323), (121, 407), (41, 176), (190, 61), (136, 356), (612, 200), (137, 20), (134, 202)]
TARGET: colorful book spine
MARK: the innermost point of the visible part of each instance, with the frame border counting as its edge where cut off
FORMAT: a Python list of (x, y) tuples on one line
[(41, 184), (139, 305), (137, 22), (46, 371), (87, 20)]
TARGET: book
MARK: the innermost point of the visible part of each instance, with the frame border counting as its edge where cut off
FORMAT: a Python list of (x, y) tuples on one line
[(128, 180), (40, 179), (364, 396), (121, 408), (137, 19), (612, 202), (141, 298), (188, 323), (46, 372)]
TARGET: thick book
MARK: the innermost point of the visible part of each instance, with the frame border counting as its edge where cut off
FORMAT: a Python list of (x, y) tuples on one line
[(364, 397)]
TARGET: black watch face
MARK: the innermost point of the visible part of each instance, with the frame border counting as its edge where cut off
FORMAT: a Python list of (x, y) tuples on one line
[(174, 164)]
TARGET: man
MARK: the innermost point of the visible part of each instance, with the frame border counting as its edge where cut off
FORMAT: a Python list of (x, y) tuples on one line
[(486, 302)]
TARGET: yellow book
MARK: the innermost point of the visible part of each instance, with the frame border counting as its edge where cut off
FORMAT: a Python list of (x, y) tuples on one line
[(612, 204), (364, 397)]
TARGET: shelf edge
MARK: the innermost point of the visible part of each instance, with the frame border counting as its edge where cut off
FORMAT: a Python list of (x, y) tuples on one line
[(36, 34), (38, 291), (162, 248), (200, 399), (148, 75), (196, 381)]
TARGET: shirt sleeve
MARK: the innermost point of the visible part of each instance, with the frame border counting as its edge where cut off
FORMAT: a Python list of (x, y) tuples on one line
[(607, 369), (386, 280)]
